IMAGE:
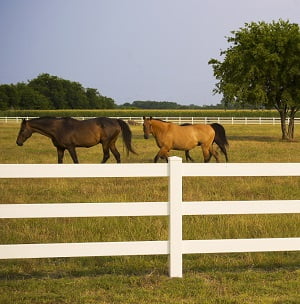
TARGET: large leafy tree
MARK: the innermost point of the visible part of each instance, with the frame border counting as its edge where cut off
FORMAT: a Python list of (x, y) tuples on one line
[(262, 67), (52, 87), (51, 92), (66, 94), (8, 97), (28, 98), (97, 101), (22, 96)]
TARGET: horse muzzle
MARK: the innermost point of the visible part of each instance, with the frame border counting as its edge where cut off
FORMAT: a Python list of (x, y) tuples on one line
[(20, 144), (146, 136)]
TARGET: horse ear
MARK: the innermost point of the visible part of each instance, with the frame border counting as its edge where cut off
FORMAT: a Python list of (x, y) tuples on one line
[(144, 117), (150, 117)]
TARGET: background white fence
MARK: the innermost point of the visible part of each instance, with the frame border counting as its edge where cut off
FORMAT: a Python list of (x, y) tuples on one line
[(175, 247), (193, 120)]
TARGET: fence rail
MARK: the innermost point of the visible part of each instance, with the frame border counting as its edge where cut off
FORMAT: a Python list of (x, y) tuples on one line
[(193, 120), (175, 208)]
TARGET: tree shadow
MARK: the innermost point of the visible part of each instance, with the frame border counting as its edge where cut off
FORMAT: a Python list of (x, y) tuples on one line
[(83, 267), (194, 263), (254, 138)]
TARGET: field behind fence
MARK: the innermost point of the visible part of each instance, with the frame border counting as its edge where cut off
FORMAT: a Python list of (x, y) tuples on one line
[(208, 278), (134, 120)]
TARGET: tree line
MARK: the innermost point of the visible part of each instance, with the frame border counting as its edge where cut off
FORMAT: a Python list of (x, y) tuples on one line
[(165, 105), (47, 92)]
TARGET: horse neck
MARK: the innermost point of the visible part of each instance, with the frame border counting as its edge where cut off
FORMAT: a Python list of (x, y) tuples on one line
[(42, 126), (158, 127)]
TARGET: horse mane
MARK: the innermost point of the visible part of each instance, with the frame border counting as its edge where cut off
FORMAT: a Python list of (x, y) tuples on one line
[(49, 120), (161, 120), (44, 117), (52, 118)]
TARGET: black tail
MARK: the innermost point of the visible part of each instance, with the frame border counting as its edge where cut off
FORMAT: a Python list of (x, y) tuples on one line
[(220, 138), (127, 135)]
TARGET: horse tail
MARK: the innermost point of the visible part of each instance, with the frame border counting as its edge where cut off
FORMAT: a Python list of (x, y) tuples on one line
[(127, 136), (220, 138)]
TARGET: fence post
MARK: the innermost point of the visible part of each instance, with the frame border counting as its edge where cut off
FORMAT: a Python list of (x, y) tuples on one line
[(175, 217)]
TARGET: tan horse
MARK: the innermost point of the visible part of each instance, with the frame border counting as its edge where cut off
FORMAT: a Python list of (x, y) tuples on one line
[(170, 136)]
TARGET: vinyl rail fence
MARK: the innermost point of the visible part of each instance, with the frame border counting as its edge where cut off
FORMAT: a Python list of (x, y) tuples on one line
[(192, 120), (175, 208)]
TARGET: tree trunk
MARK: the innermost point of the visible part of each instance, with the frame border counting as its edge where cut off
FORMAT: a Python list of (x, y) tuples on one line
[(291, 127), (284, 132)]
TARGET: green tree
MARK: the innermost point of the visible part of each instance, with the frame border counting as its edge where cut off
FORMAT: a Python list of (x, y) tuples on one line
[(3, 100), (28, 98), (97, 101), (74, 95), (51, 87), (51, 92), (262, 68), (8, 97), (107, 102), (66, 94), (149, 104), (93, 98)]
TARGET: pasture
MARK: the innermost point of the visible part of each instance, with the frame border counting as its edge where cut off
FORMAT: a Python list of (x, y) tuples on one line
[(219, 278)]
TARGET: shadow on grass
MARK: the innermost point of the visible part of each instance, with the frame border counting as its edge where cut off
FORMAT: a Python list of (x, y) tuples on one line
[(254, 138), (259, 138), (61, 268)]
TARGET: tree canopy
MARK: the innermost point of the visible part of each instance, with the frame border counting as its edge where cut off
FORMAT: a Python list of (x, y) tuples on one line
[(151, 104), (51, 92), (262, 67)]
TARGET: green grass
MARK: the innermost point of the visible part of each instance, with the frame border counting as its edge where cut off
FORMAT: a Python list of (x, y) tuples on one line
[(216, 278), (140, 113)]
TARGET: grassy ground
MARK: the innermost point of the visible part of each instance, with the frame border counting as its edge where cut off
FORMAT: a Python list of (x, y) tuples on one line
[(143, 112), (215, 278)]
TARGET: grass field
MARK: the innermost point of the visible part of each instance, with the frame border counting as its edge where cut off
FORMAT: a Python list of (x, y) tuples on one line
[(144, 112), (215, 278)]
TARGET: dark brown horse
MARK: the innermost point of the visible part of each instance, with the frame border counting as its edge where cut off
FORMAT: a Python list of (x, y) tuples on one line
[(170, 136), (68, 133)]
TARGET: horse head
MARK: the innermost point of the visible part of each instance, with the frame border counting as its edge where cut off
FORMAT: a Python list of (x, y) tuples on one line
[(24, 133), (147, 127)]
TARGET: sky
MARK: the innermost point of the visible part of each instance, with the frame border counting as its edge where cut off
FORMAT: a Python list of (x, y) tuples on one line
[(128, 49)]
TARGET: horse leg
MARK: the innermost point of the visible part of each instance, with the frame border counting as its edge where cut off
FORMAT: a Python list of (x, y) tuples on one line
[(156, 158), (206, 153), (60, 154), (188, 156), (73, 154), (163, 154), (115, 152), (214, 153), (106, 154), (224, 151)]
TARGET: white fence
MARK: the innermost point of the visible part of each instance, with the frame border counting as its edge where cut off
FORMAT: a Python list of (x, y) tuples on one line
[(175, 247), (193, 120)]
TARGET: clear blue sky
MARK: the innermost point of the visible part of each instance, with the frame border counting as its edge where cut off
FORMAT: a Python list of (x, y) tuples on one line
[(128, 49)]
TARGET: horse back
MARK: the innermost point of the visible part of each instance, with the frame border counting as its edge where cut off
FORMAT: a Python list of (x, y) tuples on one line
[(192, 135), (87, 133), (204, 129)]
